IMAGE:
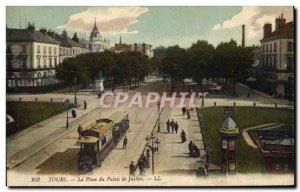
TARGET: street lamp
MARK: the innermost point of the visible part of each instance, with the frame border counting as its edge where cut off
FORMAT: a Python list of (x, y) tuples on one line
[(158, 108), (68, 105), (152, 147), (75, 99)]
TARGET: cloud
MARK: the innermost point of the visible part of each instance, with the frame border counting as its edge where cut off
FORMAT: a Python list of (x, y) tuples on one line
[(109, 19), (254, 18)]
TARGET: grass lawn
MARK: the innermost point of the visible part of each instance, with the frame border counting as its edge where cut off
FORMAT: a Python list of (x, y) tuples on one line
[(249, 159), (28, 113)]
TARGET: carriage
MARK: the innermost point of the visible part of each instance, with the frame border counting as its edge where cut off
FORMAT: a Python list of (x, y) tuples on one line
[(98, 139)]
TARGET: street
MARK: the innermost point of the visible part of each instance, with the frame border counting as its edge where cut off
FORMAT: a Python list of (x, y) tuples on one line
[(53, 152)]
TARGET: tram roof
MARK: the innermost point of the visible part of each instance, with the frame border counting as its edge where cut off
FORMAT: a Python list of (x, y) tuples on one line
[(88, 139)]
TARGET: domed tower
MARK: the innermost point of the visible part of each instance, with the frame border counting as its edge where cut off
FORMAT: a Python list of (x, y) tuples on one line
[(229, 133), (96, 39), (95, 34)]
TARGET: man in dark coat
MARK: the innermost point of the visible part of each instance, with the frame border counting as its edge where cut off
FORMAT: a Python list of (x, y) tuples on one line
[(183, 110), (183, 136), (176, 127), (172, 125), (168, 125), (188, 114), (84, 104), (131, 169), (125, 142), (79, 130), (191, 149), (141, 166)]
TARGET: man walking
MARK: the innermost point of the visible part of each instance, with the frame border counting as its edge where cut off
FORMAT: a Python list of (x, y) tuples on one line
[(176, 127), (188, 114), (172, 126), (168, 125), (191, 149), (79, 130), (125, 142), (84, 104), (131, 169)]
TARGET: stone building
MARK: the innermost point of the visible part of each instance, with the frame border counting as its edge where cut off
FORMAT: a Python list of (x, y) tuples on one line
[(144, 48), (275, 73), (68, 47), (31, 58)]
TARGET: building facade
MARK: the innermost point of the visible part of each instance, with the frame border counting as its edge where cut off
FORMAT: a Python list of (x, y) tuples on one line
[(96, 43), (275, 73), (144, 48), (31, 58), (68, 47)]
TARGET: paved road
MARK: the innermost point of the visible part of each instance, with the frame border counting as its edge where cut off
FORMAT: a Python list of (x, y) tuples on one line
[(60, 157)]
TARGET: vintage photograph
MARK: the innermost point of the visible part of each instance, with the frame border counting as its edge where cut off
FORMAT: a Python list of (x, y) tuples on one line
[(150, 96)]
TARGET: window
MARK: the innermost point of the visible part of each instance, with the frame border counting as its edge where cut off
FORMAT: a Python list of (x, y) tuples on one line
[(270, 47), (23, 49), (38, 61), (23, 63), (285, 167), (38, 49), (45, 61), (44, 50), (290, 46), (55, 61), (267, 48), (50, 61), (54, 50), (50, 50), (274, 63), (277, 167), (290, 64), (275, 47)]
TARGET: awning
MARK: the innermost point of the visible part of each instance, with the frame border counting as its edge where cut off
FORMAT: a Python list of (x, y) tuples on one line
[(251, 79)]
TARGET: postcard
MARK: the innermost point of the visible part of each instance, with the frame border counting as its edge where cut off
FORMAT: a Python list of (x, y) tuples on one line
[(157, 96)]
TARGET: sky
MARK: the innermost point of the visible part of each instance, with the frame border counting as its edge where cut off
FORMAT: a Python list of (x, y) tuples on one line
[(158, 26)]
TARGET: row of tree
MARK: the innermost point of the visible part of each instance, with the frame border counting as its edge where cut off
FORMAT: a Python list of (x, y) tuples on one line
[(128, 66), (226, 62)]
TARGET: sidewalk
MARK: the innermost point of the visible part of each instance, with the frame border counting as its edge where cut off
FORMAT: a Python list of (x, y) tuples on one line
[(173, 157), (22, 145)]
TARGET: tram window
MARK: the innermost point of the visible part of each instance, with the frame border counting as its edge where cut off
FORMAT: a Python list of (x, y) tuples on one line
[(103, 140), (89, 147)]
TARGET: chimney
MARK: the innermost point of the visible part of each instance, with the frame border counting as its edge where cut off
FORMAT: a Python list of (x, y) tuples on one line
[(44, 31), (31, 27), (267, 29), (243, 36), (143, 48), (75, 38), (51, 34), (64, 34), (279, 22)]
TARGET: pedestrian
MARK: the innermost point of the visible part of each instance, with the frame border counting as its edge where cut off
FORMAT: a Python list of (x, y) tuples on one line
[(141, 166), (183, 110), (168, 125), (99, 94), (131, 169), (191, 145), (172, 125), (125, 142), (183, 136), (79, 130), (196, 151), (84, 104), (188, 114), (176, 127)]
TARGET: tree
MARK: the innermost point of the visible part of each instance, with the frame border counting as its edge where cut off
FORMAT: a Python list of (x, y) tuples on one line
[(173, 64)]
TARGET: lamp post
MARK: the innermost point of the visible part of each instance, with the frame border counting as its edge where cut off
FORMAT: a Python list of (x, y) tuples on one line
[(75, 98), (158, 108), (67, 104), (152, 147)]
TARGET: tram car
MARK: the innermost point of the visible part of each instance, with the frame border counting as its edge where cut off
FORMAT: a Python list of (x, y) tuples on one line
[(98, 139)]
